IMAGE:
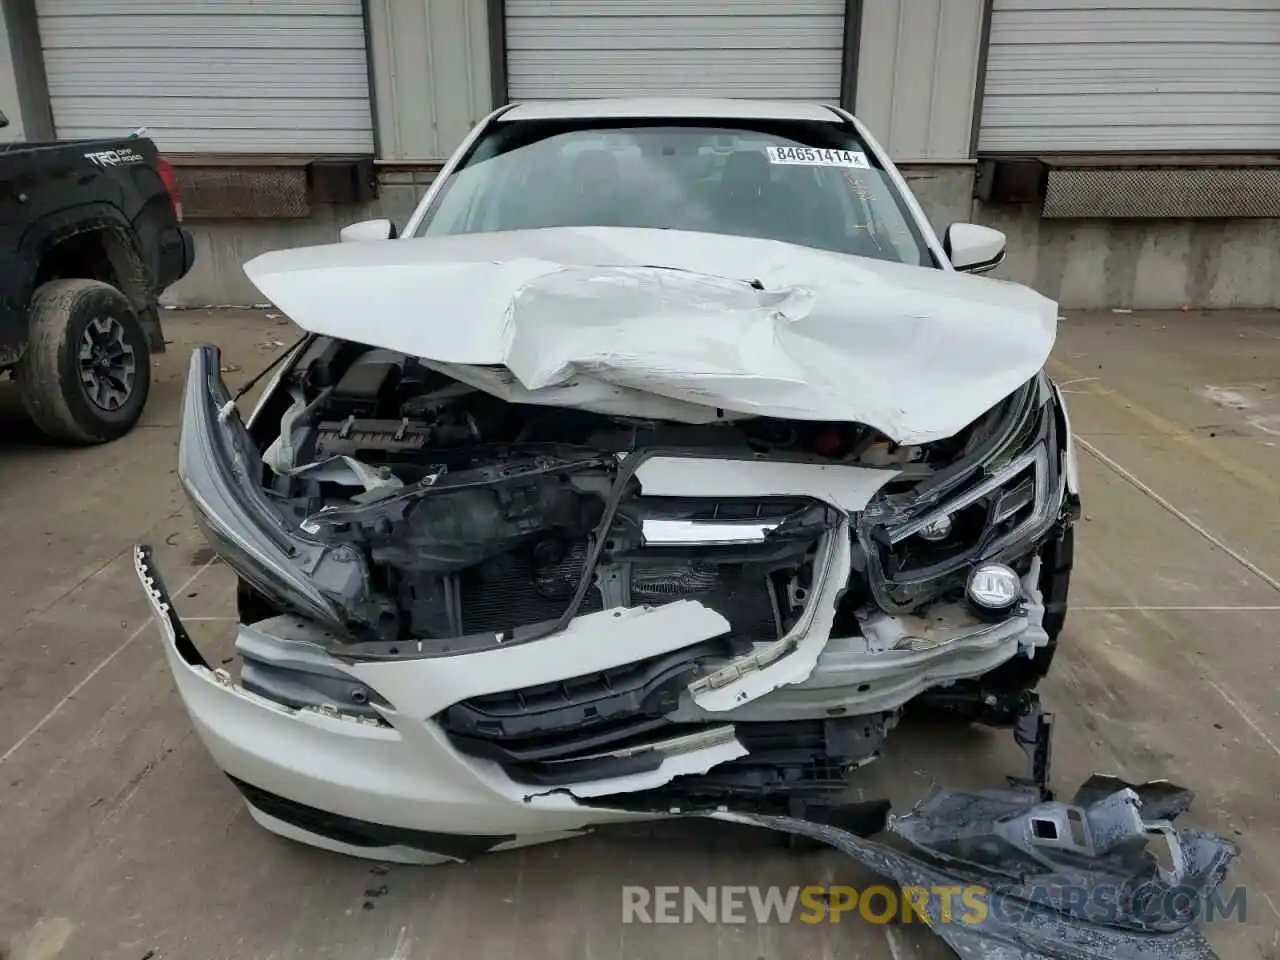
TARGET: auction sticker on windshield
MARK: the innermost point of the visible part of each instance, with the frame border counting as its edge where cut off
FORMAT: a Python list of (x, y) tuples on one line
[(819, 157)]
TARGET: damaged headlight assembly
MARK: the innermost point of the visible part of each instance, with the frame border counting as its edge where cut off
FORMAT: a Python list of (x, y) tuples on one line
[(234, 513), (988, 510)]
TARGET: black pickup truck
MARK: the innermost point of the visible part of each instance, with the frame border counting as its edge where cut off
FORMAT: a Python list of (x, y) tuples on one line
[(90, 235)]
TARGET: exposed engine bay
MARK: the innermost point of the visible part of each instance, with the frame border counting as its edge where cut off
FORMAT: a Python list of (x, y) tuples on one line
[(804, 580), (433, 519), (479, 516)]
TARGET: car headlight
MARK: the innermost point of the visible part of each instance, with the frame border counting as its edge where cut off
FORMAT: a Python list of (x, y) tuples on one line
[(221, 472), (990, 509), (1015, 492)]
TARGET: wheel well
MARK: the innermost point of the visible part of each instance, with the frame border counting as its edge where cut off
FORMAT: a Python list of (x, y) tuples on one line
[(104, 254)]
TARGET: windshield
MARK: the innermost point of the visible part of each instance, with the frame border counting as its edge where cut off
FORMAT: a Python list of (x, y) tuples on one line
[(804, 182)]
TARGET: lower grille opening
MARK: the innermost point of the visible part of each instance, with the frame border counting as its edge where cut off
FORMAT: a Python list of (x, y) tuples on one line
[(793, 759), (570, 732), (582, 715)]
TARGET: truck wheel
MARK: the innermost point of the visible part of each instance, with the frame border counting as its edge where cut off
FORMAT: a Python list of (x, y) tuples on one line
[(87, 370)]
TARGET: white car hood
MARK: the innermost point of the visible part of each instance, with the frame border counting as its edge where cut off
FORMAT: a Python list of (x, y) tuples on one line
[(676, 325)]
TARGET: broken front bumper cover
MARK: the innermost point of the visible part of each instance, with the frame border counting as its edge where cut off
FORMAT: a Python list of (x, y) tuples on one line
[(396, 767), (356, 731), (398, 790), (394, 763), (1052, 880)]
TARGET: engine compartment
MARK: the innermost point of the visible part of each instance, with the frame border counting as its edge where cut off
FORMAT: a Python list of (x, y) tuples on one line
[(475, 515)]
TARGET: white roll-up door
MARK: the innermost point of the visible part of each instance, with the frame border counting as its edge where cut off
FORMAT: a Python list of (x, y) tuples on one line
[(211, 76), (1133, 76), (774, 49)]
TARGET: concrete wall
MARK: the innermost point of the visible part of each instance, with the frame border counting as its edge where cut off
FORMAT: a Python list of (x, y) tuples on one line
[(917, 70), (1141, 264), (1087, 264), (223, 246), (944, 191)]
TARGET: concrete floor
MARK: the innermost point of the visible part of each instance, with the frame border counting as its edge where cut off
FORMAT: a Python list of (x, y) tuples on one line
[(119, 839)]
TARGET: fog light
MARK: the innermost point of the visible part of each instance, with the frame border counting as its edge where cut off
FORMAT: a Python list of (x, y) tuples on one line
[(940, 529), (994, 588)]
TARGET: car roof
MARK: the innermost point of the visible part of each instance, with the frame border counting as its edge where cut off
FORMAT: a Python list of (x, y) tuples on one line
[(660, 108)]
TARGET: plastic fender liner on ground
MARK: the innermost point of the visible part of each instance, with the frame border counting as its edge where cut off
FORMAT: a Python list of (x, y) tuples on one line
[(1093, 891)]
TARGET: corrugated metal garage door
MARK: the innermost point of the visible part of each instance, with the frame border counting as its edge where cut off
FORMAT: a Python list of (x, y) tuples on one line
[(776, 49), (1132, 75), (221, 76)]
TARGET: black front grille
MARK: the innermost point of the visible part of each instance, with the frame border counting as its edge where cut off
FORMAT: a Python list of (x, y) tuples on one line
[(791, 760), (580, 715)]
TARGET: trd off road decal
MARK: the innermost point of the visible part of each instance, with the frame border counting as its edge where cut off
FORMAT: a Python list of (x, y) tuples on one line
[(113, 158)]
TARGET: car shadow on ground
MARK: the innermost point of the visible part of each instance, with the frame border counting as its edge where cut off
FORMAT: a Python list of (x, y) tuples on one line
[(17, 432)]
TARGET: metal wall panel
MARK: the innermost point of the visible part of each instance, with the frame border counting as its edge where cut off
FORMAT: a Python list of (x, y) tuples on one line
[(211, 76), (431, 74), (773, 49), (917, 70), (9, 103), (1072, 76)]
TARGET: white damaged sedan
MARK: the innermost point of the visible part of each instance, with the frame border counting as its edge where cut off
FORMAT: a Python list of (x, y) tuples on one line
[(659, 464)]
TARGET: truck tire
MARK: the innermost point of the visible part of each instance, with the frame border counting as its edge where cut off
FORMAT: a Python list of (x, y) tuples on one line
[(87, 369)]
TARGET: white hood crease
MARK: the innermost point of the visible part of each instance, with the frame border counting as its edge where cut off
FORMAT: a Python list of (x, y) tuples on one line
[(681, 326)]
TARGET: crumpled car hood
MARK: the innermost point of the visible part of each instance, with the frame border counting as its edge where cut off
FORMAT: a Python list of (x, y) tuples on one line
[(676, 325)]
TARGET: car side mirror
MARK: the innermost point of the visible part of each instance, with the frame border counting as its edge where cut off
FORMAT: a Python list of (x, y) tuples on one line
[(367, 230), (972, 248), (4, 121)]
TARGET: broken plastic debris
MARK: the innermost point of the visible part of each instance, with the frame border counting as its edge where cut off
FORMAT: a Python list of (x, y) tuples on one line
[(1045, 879)]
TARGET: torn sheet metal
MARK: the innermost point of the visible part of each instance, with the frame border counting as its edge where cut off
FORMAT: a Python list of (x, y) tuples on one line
[(1031, 897), (793, 658), (708, 325)]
